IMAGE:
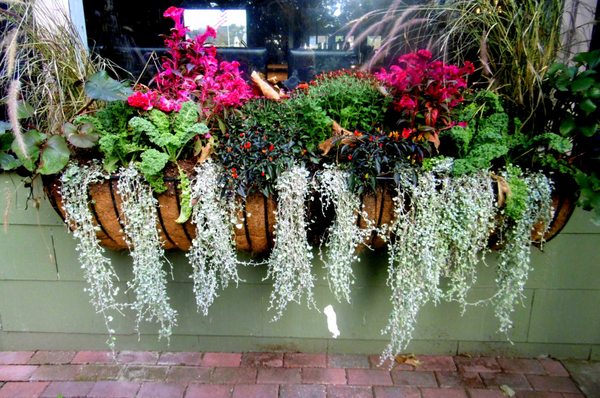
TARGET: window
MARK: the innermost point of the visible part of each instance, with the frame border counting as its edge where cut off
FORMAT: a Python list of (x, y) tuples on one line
[(314, 31)]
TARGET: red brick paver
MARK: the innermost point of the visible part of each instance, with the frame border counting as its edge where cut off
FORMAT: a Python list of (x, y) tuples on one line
[(49, 374), (455, 379), (180, 358), (302, 391), (16, 372), (22, 389), (52, 357), (552, 383), (15, 357), (233, 376), (300, 360), (93, 357), (256, 391), (323, 376), (477, 364), (553, 368), (114, 389), (224, 359), (365, 377), (262, 359), (521, 365), (348, 361), (439, 363), (419, 379), (349, 392), (68, 389), (396, 392), (161, 390), (208, 391), (443, 393), (513, 380), (138, 357), (278, 376), (480, 393)]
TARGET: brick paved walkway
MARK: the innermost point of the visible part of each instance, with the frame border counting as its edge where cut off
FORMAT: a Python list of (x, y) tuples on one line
[(275, 375)]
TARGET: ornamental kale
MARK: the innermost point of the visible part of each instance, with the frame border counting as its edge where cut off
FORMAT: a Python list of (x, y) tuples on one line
[(191, 71), (424, 93)]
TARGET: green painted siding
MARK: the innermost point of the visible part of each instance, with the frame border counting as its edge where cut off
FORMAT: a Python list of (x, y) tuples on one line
[(43, 305)]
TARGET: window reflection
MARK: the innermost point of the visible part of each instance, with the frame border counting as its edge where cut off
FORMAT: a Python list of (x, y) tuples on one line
[(309, 35), (229, 24)]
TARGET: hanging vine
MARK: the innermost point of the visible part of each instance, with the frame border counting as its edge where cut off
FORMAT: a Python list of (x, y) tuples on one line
[(338, 248), (514, 259), (442, 232), (290, 262), (212, 255), (98, 271), (149, 283)]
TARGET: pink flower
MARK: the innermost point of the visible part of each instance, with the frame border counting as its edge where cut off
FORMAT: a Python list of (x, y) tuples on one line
[(406, 102), (167, 105), (174, 13), (142, 100)]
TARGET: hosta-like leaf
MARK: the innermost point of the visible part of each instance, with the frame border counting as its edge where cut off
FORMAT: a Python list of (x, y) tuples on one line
[(32, 139), (100, 86), (8, 162), (54, 155)]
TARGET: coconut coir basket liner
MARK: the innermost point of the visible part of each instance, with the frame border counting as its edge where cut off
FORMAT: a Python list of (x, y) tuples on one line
[(256, 217)]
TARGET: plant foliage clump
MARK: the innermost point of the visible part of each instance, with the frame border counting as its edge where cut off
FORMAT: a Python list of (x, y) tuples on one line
[(149, 283), (212, 254), (289, 264), (98, 271), (338, 251)]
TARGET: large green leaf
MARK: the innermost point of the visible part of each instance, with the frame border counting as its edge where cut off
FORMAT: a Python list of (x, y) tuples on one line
[(582, 83), (100, 86), (82, 136), (4, 127), (8, 162), (32, 139), (54, 155), (24, 110)]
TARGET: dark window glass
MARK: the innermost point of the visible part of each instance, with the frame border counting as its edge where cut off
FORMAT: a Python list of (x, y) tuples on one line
[(301, 37)]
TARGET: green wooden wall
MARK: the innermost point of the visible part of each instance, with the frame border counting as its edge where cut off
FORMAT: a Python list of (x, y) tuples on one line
[(43, 304)]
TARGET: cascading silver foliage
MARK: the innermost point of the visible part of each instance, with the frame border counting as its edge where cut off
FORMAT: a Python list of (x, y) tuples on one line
[(515, 257), (98, 271), (212, 255), (338, 250), (289, 264), (149, 283), (442, 232)]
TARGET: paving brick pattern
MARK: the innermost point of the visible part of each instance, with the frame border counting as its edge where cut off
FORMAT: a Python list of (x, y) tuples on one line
[(42, 374)]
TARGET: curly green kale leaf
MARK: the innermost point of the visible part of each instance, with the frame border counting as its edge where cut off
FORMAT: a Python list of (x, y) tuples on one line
[(151, 166)]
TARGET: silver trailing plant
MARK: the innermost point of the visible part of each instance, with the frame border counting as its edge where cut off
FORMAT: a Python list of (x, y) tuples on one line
[(514, 258), (468, 220), (212, 255), (98, 271), (289, 264), (441, 229), (414, 264), (338, 250), (149, 283)]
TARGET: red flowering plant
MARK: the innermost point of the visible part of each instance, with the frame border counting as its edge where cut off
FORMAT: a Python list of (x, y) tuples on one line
[(191, 71), (424, 93)]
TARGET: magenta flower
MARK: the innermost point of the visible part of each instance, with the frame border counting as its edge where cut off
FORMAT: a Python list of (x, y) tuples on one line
[(141, 100), (425, 92)]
